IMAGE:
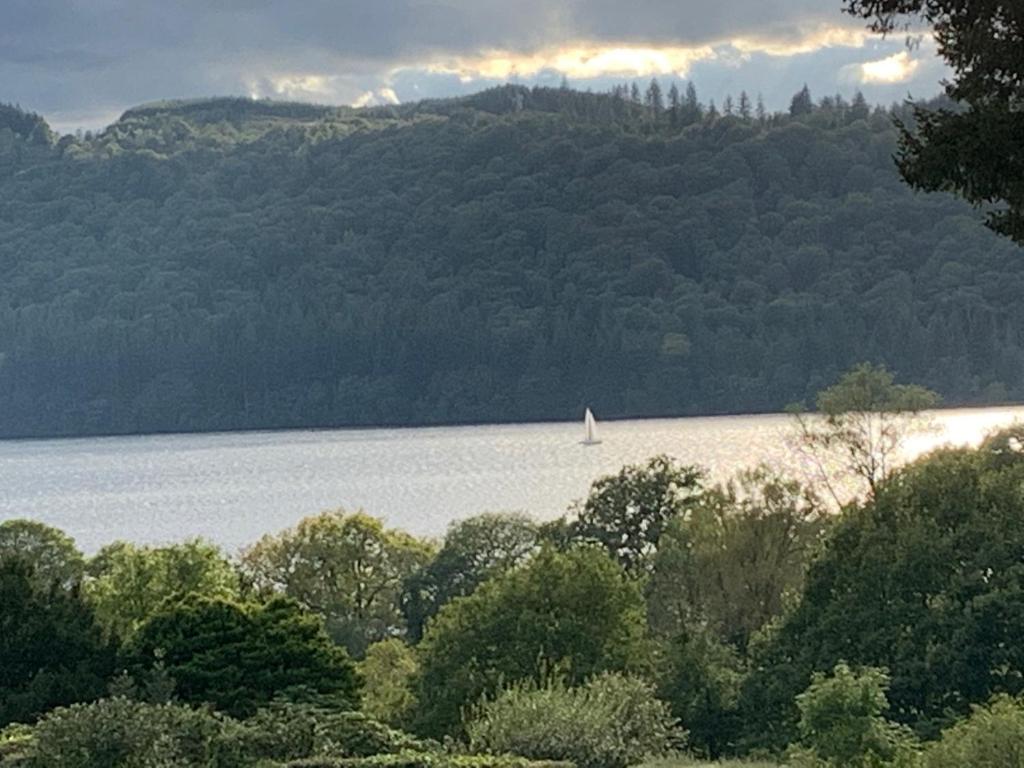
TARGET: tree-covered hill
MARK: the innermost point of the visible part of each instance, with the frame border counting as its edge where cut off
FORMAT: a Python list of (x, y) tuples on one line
[(514, 255)]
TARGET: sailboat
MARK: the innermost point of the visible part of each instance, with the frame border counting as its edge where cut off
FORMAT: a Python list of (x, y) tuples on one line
[(590, 429)]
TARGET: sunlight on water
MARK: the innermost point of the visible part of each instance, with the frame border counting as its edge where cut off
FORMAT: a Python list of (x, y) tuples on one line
[(233, 488)]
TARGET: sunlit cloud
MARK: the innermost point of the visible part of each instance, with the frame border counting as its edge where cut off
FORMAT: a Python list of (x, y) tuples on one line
[(587, 60), (578, 61), (898, 68), (379, 97)]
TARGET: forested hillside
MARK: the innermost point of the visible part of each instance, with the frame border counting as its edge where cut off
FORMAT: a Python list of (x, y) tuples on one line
[(513, 255)]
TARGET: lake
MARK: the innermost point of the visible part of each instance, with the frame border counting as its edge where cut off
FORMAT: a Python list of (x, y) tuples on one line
[(233, 488)]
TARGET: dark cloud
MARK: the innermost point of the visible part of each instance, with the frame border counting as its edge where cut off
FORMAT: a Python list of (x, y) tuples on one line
[(69, 59)]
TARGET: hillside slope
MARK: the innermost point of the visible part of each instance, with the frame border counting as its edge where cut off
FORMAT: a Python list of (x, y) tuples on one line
[(232, 264)]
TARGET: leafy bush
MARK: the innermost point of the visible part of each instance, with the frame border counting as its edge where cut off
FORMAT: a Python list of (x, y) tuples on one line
[(116, 732), (610, 722), (992, 737), (388, 673), (427, 760), (841, 723)]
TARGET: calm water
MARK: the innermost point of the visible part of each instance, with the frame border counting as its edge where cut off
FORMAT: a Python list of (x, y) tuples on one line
[(233, 488)]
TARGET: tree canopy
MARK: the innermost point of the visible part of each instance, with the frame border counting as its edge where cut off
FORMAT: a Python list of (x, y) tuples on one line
[(513, 255), (977, 150)]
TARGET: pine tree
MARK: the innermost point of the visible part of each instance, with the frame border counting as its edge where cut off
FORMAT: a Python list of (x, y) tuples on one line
[(744, 105), (727, 105), (673, 104), (802, 103), (761, 112), (634, 93), (653, 99)]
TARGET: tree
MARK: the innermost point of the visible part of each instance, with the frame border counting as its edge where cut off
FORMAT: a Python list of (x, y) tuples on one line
[(865, 419), (348, 568), (51, 553), (976, 151), (923, 580), (474, 550), (51, 649), (802, 103), (744, 108), (991, 737), (842, 722), (728, 566), (653, 99), (701, 679), (627, 512), (674, 104), (571, 614), (238, 657), (129, 583), (728, 106), (389, 672)]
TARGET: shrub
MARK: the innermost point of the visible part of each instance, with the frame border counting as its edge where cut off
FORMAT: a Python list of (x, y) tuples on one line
[(991, 737), (610, 722), (116, 732), (427, 760), (841, 722)]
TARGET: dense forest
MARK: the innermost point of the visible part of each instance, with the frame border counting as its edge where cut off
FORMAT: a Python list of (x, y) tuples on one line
[(512, 255)]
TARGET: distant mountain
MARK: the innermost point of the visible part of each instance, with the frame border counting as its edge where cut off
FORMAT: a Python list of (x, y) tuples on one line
[(518, 254)]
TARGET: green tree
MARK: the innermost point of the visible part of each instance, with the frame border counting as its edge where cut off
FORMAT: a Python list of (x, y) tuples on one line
[(701, 680), (238, 657), (842, 721), (51, 553), (347, 567), (128, 583), (474, 550), (389, 674), (567, 613), (627, 512), (730, 564), (991, 737), (976, 151), (801, 103), (51, 649), (864, 420), (924, 580)]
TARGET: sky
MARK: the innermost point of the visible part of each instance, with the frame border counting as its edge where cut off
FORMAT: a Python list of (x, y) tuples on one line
[(81, 63)]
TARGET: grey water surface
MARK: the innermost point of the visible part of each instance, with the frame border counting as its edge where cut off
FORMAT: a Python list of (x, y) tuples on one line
[(233, 488)]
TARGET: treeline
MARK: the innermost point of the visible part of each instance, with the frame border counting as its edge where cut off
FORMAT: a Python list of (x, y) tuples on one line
[(513, 255), (660, 615)]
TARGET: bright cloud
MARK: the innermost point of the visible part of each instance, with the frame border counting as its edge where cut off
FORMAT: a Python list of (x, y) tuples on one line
[(897, 68)]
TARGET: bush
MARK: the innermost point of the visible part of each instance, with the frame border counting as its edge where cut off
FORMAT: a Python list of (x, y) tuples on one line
[(991, 737), (841, 723), (116, 732), (427, 760), (610, 722), (388, 673)]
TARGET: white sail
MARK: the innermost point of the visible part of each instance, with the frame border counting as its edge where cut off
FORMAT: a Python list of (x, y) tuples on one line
[(590, 429)]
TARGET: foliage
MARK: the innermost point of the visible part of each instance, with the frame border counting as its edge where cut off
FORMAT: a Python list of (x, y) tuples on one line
[(346, 567), (428, 760), (389, 672), (474, 550), (51, 649), (513, 255), (701, 683), (52, 555), (569, 613), (121, 733), (611, 721), (842, 723), (729, 564), (925, 580), (865, 419), (627, 512), (128, 583), (991, 737), (978, 151), (239, 657)]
